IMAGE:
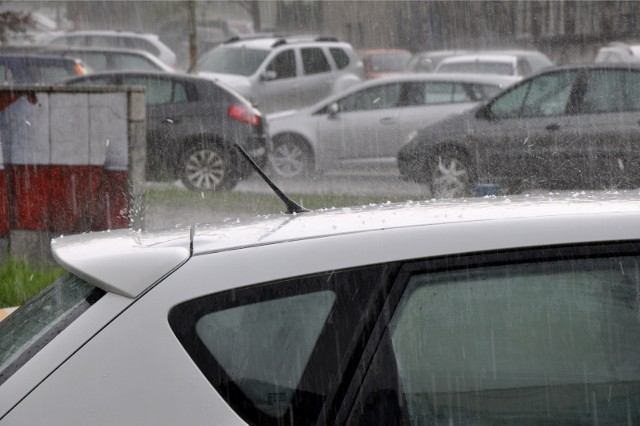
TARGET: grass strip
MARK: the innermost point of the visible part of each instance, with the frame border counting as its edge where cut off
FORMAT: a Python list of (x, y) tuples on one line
[(20, 281), (259, 203)]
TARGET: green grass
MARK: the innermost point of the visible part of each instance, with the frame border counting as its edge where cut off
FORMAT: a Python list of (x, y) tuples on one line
[(19, 281), (259, 203)]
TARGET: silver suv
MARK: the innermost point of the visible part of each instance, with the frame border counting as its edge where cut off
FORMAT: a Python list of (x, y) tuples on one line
[(283, 73)]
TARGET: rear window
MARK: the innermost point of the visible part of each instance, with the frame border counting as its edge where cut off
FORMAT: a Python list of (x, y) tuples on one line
[(34, 325)]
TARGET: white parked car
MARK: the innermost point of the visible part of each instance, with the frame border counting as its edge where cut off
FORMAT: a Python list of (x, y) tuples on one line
[(280, 73), (519, 63), (120, 39), (362, 129), (618, 52), (490, 311)]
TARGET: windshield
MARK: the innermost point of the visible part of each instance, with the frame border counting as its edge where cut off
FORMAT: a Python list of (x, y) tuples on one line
[(228, 60), (31, 327)]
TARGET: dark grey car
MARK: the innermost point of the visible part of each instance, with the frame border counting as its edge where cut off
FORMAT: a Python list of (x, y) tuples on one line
[(192, 124), (573, 127)]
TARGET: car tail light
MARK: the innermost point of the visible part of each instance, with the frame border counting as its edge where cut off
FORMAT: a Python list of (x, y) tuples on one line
[(80, 70), (244, 114)]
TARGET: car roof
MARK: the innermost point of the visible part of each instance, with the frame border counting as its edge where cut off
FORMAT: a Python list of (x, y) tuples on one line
[(161, 74), (500, 80), (109, 33), (35, 57), (127, 262), (481, 57)]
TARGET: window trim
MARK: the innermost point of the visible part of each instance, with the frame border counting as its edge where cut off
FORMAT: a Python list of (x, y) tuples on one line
[(188, 312)]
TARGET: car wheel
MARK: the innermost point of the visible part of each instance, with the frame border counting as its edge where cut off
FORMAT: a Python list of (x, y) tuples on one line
[(290, 157), (449, 175), (207, 168)]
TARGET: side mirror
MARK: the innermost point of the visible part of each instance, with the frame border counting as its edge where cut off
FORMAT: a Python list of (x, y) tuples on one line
[(333, 110), (268, 75)]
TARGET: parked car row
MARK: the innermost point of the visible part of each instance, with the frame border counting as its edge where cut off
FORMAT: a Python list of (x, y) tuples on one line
[(414, 125), (568, 127), (362, 129)]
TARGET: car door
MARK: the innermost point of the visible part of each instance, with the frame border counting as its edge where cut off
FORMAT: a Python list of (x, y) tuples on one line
[(279, 88), (427, 102), (170, 118), (608, 123), (316, 81), (363, 129), (523, 135)]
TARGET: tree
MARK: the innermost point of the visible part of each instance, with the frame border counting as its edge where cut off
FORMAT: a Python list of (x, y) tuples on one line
[(13, 22)]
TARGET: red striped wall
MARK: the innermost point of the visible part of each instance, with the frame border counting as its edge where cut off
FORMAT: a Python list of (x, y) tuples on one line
[(67, 163)]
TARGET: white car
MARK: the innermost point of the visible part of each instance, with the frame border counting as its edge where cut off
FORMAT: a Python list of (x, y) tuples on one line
[(519, 63), (119, 39), (362, 129), (280, 73), (618, 52), (490, 311)]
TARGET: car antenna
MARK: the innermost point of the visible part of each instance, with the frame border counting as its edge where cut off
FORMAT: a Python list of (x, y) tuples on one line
[(292, 206)]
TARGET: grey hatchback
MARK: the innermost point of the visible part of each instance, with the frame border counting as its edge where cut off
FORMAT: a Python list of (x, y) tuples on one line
[(569, 127), (192, 124)]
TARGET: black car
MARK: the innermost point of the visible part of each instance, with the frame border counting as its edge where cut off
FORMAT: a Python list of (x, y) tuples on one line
[(192, 125), (572, 127), (38, 69)]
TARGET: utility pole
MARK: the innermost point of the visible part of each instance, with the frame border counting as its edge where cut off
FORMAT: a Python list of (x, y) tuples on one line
[(193, 36)]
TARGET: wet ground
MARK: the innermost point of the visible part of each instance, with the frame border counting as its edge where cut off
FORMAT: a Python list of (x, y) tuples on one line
[(169, 214)]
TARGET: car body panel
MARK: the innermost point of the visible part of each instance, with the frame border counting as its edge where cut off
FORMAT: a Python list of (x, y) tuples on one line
[(56, 353), (100, 358)]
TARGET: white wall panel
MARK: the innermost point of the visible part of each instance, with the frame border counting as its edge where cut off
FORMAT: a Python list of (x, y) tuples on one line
[(69, 121)]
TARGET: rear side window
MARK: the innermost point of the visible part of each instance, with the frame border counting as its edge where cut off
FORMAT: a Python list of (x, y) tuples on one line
[(277, 352), (554, 339), (340, 57), (160, 91), (314, 61)]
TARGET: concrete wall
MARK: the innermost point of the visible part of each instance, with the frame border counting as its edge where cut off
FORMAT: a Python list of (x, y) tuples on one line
[(73, 161)]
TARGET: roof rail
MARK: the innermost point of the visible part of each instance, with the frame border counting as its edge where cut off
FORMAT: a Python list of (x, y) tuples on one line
[(302, 39), (255, 36)]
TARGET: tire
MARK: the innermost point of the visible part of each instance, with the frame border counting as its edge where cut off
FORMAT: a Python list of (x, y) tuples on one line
[(449, 175), (290, 157), (207, 168)]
